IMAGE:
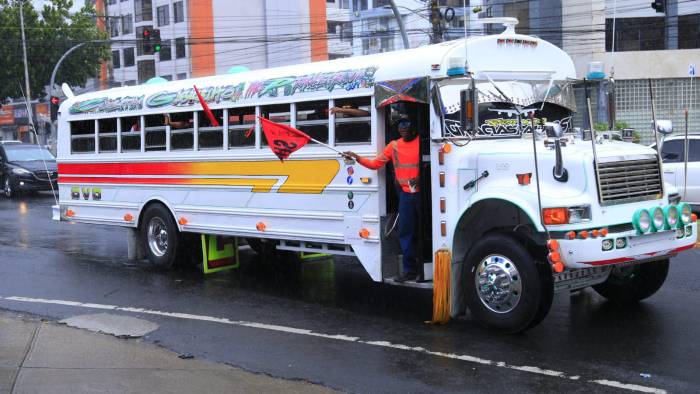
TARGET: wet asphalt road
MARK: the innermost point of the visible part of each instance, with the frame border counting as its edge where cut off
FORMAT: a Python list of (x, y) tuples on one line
[(584, 337)]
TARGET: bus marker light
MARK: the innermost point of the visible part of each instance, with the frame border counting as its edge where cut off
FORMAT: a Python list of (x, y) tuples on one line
[(70, 213), (694, 217), (443, 205), (553, 245), (555, 215), (571, 234), (595, 233), (128, 217), (555, 257), (583, 234), (182, 221), (366, 180), (443, 228), (442, 178), (604, 232), (441, 157), (524, 179), (446, 148), (364, 233), (558, 267), (260, 226)]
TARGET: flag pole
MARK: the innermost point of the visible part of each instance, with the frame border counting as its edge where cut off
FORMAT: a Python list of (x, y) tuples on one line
[(326, 145)]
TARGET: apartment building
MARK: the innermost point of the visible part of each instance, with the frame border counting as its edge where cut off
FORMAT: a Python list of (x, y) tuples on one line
[(208, 37)]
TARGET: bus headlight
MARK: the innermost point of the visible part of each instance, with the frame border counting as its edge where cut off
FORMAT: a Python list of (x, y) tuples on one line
[(641, 220), (657, 219), (671, 214), (686, 212)]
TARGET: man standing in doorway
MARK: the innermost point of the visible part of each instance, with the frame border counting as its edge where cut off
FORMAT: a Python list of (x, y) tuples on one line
[(404, 154)]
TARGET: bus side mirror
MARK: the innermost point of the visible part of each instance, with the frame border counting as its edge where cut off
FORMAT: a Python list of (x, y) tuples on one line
[(468, 113), (664, 127), (553, 130)]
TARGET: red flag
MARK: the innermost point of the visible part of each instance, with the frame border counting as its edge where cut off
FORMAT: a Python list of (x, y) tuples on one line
[(207, 111), (283, 139)]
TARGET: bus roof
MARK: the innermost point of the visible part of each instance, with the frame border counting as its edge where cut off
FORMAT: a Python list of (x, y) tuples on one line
[(502, 56)]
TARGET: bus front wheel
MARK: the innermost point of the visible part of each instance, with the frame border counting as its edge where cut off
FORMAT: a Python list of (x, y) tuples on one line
[(630, 284), (503, 287), (160, 236)]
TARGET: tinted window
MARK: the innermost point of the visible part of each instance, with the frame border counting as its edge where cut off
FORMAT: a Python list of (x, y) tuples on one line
[(672, 151), (27, 154), (694, 151)]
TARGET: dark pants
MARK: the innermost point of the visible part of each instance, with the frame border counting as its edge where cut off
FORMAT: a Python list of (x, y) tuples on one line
[(408, 221)]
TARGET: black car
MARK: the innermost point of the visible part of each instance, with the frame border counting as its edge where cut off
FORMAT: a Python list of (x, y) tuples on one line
[(23, 167)]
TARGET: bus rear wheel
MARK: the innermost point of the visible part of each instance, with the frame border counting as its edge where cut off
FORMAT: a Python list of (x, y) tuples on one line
[(504, 288), (627, 285), (160, 236)]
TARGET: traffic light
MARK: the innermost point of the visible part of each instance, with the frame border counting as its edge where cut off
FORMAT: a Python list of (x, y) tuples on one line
[(147, 37), (659, 5), (156, 40), (55, 103)]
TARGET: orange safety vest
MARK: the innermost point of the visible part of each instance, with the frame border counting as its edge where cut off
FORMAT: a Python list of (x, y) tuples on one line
[(405, 157)]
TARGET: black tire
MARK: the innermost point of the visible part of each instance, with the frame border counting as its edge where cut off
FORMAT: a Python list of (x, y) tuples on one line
[(629, 285), (158, 220), (7, 189), (261, 246), (527, 297)]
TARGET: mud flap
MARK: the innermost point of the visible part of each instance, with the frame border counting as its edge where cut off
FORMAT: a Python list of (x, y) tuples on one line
[(219, 253)]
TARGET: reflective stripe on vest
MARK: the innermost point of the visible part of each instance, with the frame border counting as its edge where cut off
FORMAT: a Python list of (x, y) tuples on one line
[(407, 170)]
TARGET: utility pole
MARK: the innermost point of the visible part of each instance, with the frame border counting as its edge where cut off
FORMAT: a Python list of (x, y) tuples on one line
[(26, 69), (436, 21), (399, 21)]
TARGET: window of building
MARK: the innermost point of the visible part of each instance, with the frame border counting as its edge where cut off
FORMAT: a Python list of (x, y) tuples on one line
[(181, 76), (112, 2), (181, 131), (360, 5), (163, 15), (178, 11), (82, 134), (241, 127), (353, 128), (155, 132), (210, 136), (165, 53), (107, 135), (113, 26), (636, 34), (129, 57), (131, 133), (180, 51), (127, 24), (143, 10), (344, 4), (146, 70), (312, 119), (689, 31), (116, 61)]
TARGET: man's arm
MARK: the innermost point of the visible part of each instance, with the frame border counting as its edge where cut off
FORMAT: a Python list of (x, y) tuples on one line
[(379, 161)]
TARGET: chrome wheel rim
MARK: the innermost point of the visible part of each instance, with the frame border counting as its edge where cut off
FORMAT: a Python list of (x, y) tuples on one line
[(157, 236), (8, 188), (498, 283)]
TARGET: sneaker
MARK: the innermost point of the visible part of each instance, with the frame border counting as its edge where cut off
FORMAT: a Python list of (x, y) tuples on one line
[(406, 277)]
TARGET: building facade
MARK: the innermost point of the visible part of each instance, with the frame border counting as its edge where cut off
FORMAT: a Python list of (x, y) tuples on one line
[(208, 37)]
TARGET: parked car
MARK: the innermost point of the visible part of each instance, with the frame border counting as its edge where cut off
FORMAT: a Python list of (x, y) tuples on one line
[(23, 168), (672, 154)]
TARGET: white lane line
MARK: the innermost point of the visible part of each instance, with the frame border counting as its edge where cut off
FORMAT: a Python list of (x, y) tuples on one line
[(340, 337)]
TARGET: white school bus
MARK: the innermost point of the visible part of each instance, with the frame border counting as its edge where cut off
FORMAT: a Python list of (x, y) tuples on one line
[(525, 206)]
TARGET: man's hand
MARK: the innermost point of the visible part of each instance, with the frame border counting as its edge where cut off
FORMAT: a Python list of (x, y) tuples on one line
[(351, 155)]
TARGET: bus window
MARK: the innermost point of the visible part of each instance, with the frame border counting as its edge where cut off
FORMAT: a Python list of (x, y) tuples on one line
[(131, 133), (353, 127), (82, 134), (155, 132), (279, 113), (240, 122), (181, 130), (210, 137), (312, 119), (107, 129)]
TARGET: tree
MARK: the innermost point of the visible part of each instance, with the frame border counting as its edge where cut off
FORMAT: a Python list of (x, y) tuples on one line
[(49, 33)]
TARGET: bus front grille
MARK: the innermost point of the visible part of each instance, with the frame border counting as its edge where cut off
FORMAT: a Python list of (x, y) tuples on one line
[(630, 180)]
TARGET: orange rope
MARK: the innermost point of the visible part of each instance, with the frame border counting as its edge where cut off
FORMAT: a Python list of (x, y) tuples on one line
[(441, 286)]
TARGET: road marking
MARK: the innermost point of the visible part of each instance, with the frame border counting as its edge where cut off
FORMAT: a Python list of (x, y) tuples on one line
[(340, 337)]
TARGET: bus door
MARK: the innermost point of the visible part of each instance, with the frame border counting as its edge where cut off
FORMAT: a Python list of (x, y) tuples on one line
[(411, 102)]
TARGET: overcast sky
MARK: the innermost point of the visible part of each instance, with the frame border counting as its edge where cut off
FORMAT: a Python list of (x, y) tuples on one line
[(77, 4)]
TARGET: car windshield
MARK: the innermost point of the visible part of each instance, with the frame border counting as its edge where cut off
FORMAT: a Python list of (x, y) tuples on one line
[(27, 154)]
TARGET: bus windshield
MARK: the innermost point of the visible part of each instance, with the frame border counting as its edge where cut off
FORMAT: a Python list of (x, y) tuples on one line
[(498, 117)]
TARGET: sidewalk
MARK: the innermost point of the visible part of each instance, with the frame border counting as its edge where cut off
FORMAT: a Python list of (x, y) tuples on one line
[(44, 357)]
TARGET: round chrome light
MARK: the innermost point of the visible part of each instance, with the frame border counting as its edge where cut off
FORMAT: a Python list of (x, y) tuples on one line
[(686, 212), (641, 220), (671, 214), (657, 219), (620, 243)]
